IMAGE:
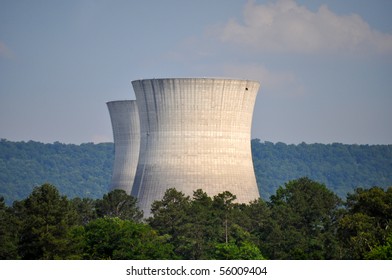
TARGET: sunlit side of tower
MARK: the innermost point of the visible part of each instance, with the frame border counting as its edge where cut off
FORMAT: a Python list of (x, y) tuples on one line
[(195, 134), (126, 135)]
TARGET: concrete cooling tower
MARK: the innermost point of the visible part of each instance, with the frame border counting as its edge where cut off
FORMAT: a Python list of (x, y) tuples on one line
[(126, 134), (195, 134)]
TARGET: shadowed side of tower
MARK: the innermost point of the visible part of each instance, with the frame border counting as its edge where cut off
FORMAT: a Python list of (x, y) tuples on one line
[(124, 116), (195, 134)]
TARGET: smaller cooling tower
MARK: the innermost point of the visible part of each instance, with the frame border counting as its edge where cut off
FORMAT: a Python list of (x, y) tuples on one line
[(126, 134)]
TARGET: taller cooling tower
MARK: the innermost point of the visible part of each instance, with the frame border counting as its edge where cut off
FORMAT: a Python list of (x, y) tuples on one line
[(124, 116), (195, 134)]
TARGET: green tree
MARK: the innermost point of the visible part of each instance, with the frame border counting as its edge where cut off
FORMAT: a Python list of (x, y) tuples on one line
[(170, 212), (223, 206), (232, 251), (114, 238), (85, 209), (169, 218), (304, 217), (76, 244), (381, 252), (118, 203), (8, 233), (367, 223), (45, 219), (199, 225), (258, 222), (199, 231)]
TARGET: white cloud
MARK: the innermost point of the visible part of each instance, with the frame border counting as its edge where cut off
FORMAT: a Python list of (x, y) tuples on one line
[(285, 26)]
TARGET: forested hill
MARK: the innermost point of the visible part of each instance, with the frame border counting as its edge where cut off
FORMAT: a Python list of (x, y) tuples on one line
[(340, 167), (85, 170), (76, 170)]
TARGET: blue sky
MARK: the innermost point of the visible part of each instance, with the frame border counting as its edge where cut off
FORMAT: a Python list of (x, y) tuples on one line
[(325, 67)]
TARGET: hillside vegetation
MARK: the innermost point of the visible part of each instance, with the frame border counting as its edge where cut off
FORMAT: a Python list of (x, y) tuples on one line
[(341, 167), (77, 170), (85, 170)]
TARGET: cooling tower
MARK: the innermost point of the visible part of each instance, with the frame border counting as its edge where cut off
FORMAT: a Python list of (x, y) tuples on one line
[(126, 134), (195, 134)]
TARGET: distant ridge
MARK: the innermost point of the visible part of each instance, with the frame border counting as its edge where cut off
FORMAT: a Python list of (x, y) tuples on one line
[(76, 170), (341, 167), (85, 170)]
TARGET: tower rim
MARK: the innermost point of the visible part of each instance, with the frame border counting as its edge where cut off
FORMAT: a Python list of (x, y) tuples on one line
[(121, 101), (198, 78)]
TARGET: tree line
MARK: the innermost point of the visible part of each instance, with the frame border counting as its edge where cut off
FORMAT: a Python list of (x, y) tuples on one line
[(302, 220), (341, 167), (76, 170), (85, 170)]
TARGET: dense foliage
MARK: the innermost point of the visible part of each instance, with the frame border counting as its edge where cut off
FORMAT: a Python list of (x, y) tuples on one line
[(77, 170), (84, 170), (341, 167), (302, 220)]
